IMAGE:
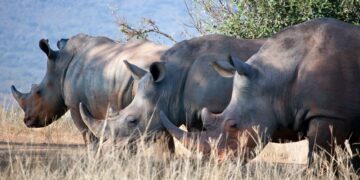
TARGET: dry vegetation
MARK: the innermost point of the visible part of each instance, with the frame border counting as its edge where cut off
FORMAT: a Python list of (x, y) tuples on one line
[(57, 152)]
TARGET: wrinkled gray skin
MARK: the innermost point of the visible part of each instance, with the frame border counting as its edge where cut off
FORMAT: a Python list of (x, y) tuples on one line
[(305, 79), (85, 69), (180, 85)]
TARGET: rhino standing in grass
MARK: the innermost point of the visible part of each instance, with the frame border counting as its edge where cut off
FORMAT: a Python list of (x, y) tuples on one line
[(305, 78), (89, 70), (180, 85)]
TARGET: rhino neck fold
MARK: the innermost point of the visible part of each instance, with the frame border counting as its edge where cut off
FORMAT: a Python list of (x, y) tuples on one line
[(62, 80), (176, 99)]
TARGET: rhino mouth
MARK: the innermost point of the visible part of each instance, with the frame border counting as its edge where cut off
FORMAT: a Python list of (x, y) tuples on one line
[(33, 123)]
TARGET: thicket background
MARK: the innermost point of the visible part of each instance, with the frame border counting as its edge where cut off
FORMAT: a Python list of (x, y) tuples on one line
[(263, 18), (250, 18)]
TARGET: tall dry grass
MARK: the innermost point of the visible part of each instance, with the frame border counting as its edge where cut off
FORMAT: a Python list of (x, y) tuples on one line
[(41, 154)]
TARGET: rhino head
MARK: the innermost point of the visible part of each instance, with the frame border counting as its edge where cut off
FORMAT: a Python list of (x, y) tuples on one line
[(247, 118), (44, 103)]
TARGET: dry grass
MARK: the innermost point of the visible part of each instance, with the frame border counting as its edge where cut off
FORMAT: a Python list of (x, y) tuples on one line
[(57, 152)]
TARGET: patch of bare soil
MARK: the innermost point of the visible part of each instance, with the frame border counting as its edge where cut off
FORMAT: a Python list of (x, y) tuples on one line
[(20, 143), (23, 140), (284, 153)]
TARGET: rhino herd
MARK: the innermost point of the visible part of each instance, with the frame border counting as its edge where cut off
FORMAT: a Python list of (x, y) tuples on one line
[(303, 82)]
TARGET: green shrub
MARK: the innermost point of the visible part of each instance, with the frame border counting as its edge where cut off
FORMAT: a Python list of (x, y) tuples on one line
[(262, 18)]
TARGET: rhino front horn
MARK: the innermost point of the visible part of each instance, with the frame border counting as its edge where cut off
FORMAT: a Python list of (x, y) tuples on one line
[(19, 97), (171, 128), (187, 138), (98, 127)]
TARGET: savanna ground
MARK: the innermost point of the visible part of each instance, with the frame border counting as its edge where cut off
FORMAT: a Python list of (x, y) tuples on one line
[(58, 152)]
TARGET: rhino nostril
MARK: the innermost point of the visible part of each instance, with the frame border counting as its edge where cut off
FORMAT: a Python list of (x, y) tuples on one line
[(230, 124), (26, 119)]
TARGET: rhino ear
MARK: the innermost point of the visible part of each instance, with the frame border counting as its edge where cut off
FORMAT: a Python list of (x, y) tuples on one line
[(224, 68), (241, 67), (158, 71), (44, 46), (61, 43), (136, 71)]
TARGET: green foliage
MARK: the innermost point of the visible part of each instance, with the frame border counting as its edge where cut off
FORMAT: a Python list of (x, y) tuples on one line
[(262, 18)]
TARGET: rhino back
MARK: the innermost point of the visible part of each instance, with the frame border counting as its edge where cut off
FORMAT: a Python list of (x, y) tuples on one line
[(329, 74), (97, 75), (312, 67)]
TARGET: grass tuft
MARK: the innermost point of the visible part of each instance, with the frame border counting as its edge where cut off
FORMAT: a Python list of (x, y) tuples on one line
[(58, 152)]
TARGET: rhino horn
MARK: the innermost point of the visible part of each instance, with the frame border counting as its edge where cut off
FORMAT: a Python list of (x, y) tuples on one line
[(45, 47), (209, 119), (171, 128), (19, 97), (98, 127), (187, 138)]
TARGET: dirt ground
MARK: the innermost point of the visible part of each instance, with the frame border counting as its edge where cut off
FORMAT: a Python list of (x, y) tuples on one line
[(60, 139), (38, 144), (38, 148)]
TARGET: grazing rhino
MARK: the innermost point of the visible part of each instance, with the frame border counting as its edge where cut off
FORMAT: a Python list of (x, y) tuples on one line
[(305, 79), (180, 85), (85, 69)]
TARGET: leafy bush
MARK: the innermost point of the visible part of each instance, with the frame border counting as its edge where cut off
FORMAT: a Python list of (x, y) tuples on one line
[(262, 18)]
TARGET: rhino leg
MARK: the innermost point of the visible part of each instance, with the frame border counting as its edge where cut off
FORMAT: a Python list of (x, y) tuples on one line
[(355, 148), (170, 142), (324, 134)]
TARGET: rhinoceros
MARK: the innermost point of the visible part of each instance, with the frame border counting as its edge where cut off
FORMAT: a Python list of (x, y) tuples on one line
[(180, 85), (304, 79), (89, 70)]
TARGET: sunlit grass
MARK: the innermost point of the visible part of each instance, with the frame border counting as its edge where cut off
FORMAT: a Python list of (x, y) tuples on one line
[(46, 160)]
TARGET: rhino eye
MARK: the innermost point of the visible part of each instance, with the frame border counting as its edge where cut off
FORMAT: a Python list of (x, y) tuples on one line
[(38, 92), (132, 121)]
